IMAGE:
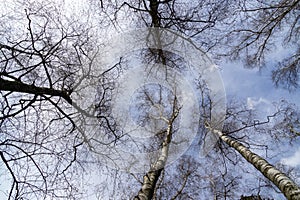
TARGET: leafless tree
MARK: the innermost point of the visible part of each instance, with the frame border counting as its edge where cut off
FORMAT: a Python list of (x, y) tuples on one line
[(257, 27), (40, 68), (46, 57), (165, 14)]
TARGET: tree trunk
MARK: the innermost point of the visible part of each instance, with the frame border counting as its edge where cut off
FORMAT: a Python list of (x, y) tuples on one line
[(282, 181), (151, 178)]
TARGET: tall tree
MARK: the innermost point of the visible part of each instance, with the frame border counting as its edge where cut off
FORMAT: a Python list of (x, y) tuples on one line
[(290, 189), (47, 60), (166, 15), (150, 179)]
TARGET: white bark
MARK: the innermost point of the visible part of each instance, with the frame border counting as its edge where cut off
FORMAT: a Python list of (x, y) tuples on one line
[(151, 177), (290, 189)]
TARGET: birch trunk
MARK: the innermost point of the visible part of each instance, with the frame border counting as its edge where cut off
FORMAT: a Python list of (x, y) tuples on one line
[(151, 178), (282, 181)]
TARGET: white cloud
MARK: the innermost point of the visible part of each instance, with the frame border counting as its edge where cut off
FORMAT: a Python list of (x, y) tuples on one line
[(293, 160), (252, 103)]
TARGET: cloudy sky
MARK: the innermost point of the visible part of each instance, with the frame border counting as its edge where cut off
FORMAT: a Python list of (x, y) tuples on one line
[(252, 86), (255, 88)]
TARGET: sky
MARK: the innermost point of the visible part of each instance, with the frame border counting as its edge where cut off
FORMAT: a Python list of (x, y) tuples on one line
[(255, 89), (252, 86)]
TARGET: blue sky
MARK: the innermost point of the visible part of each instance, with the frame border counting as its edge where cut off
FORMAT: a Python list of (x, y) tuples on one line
[(255, 89)]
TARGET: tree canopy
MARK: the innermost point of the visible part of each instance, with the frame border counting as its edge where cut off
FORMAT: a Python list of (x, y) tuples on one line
[(120, 100)]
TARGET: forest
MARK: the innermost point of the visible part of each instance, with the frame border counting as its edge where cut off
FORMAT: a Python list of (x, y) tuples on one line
[(150, 99)]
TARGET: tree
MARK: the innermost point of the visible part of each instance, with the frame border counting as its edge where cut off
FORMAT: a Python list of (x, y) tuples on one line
[(258, 27), (156, 11), (39, 61), (151, 178), (47, 62), (251, 31), (284, 183)]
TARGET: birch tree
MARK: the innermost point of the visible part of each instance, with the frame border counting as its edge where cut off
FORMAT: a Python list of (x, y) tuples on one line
[(290, 189), (153, 12), (150, 179), (46, 58)]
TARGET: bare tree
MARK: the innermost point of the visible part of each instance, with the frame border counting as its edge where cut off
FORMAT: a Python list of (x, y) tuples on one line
[(40, 62), (151, 177), (45, 62), (284, 183), (189, 18), (166, 15), (258, 27)]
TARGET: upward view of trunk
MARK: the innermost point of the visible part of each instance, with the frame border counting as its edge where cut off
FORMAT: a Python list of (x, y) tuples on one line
[(152, 176), (150, 179), (290, 189)]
